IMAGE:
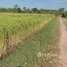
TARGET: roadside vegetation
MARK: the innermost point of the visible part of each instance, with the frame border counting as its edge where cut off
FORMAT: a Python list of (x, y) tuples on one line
[(32, 52), (64, 14), (65, 23), (16, 28)]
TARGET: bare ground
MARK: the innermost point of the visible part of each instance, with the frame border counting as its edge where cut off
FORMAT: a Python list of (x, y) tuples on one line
[(63, 43)]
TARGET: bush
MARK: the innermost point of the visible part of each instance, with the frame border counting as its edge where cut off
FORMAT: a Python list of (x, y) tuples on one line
[(64, 14)]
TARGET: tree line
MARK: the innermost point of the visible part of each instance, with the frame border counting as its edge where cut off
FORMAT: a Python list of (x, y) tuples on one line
[(17, 9)]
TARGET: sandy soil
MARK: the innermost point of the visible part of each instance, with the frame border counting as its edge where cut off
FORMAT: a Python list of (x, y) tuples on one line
[(63, 43)]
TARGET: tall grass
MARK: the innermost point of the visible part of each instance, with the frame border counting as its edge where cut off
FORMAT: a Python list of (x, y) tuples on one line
[(30, 53), (15, 27)]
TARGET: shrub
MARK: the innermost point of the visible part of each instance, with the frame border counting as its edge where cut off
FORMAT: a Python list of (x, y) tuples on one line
[(64, 14)]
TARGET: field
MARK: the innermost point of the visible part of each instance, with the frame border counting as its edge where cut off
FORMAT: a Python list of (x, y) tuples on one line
[(32, 49), (15, 28)]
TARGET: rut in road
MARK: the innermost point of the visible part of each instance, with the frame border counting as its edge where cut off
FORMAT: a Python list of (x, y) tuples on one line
[(63, 43)]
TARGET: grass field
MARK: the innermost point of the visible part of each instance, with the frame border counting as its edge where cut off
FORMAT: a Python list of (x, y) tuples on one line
[(31, 52), (14, 28)]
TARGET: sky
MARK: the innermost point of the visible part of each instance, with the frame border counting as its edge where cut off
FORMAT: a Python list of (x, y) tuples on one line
[(45, 4)]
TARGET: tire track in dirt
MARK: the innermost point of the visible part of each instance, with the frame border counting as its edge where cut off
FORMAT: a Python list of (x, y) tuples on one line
[(63, 43)]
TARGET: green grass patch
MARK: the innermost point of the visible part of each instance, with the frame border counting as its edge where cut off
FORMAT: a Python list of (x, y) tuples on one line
[(30, 52)]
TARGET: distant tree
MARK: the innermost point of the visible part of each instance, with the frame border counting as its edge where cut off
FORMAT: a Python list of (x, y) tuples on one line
[(24, 9), (16, 6), (3, 9), (56, 13), (19, 10), (15, 9), (0, 9), (61, 10), (42, 10), (35, 10), (10, 10), (27, 10)]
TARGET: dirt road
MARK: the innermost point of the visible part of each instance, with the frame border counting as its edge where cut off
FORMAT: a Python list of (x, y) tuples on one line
[(63, 43)]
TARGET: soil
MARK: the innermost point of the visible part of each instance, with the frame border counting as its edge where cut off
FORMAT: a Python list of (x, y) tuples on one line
[(63, 43)]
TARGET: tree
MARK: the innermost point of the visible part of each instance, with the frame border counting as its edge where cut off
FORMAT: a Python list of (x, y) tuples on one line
[(15, 9), (3, 9), (9, 10), (16, 6), (35, 10), (0, 9), (24, 9), (19, 10), (61, 10), (64, 14)]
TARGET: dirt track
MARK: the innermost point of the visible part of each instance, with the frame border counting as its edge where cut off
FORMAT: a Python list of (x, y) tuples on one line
[(63, 43)]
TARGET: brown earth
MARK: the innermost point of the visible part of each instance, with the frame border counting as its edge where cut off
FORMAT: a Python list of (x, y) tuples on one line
[(63, 43)]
